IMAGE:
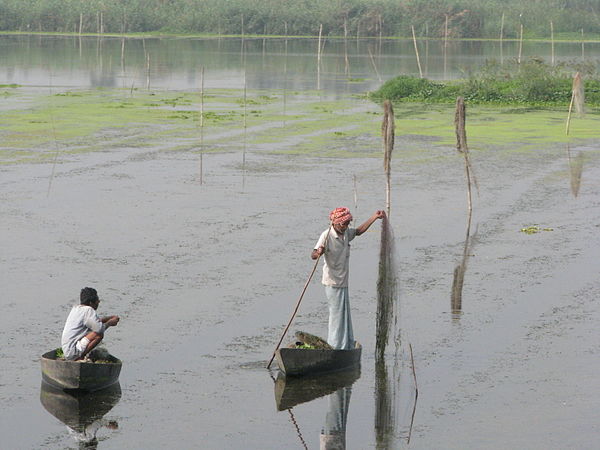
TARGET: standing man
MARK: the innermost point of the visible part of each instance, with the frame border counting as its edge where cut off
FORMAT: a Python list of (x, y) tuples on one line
[(334, 243)]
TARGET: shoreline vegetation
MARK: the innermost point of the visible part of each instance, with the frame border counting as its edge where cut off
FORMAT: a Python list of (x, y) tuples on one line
[(175, 35), (533, 83), (435, 19)]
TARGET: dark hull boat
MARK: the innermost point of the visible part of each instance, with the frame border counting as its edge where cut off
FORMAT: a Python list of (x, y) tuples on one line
[(301, 361), (80, 375)]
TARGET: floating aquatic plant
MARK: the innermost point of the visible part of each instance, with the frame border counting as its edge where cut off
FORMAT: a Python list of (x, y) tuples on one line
[(533, 229)]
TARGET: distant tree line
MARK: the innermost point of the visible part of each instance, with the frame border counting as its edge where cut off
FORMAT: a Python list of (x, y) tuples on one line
[(430, 18)]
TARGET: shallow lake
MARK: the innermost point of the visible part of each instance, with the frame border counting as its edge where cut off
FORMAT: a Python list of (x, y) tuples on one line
[(205, 258)]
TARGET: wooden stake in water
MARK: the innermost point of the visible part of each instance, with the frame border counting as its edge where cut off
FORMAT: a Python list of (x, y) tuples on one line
[(461, 146), (552, 41), (245, 130), (285, 79), (417, 51), (387, 132), (520, 45), (201, 122), (319, 57), (148, 71), (502, 39), (577, 99), (373, 63), (346, 61), (445, 46)]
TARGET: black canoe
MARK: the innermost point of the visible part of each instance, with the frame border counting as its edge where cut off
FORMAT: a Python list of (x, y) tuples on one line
[(301, 361), (80, 375)]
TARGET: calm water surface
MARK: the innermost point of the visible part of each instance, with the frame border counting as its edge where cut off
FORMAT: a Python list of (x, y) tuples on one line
[(205, 276), (174, 63)]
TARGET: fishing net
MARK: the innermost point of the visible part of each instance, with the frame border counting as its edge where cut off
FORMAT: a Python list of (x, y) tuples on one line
[(387, 290)]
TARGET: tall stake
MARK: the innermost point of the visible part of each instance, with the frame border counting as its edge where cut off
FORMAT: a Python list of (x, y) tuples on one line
[(285, 77), (319, 58), (461, 146), (373, 63), (552, 40), (387, 132), (446, 46), (520, 45), (417, 51), (201, 121), (502, 40), (148, 71), (577, 99)]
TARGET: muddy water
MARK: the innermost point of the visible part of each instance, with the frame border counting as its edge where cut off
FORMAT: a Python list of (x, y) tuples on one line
[(205, 276)]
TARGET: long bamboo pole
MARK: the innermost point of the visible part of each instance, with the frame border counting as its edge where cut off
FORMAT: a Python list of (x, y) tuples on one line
[(417, 51), (201, 123), (387, 131), (502, 40), (552, 40), (461, 146), (520, 45)]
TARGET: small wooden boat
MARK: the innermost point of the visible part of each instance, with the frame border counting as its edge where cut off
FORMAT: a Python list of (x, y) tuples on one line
[(102, 371), (292, 391), (301, 361)]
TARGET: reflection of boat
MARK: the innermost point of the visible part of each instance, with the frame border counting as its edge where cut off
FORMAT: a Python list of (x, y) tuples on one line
[(291, 391), (85, 376), (76, 409), (301, 361)]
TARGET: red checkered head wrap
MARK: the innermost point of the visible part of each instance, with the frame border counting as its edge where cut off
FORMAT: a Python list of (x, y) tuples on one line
[(340, 215)]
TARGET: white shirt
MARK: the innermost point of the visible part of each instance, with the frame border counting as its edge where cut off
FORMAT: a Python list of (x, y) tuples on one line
[(82, 319), (336, 256)]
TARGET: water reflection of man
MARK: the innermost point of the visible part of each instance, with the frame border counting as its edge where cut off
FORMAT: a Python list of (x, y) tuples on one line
[(335, 244), (333, 434), (86, 437)]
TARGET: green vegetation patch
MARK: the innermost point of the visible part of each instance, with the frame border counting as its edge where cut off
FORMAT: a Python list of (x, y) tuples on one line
[(533, 83), (534, 229), (80, 121)]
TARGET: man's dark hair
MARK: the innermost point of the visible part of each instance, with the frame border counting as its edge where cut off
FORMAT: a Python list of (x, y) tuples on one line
[(88, 296)]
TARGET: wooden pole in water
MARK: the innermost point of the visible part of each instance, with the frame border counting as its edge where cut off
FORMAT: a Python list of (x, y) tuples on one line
[(346, 61), (285, 77), (387, 132), (552, 41), (298, 302), (501, 39), (373, 63), (148, 71), (319, 58), (461, 146), (417, 51), (520, 45), (582, 46), (412, 419), (577, 99), (201, 122)]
